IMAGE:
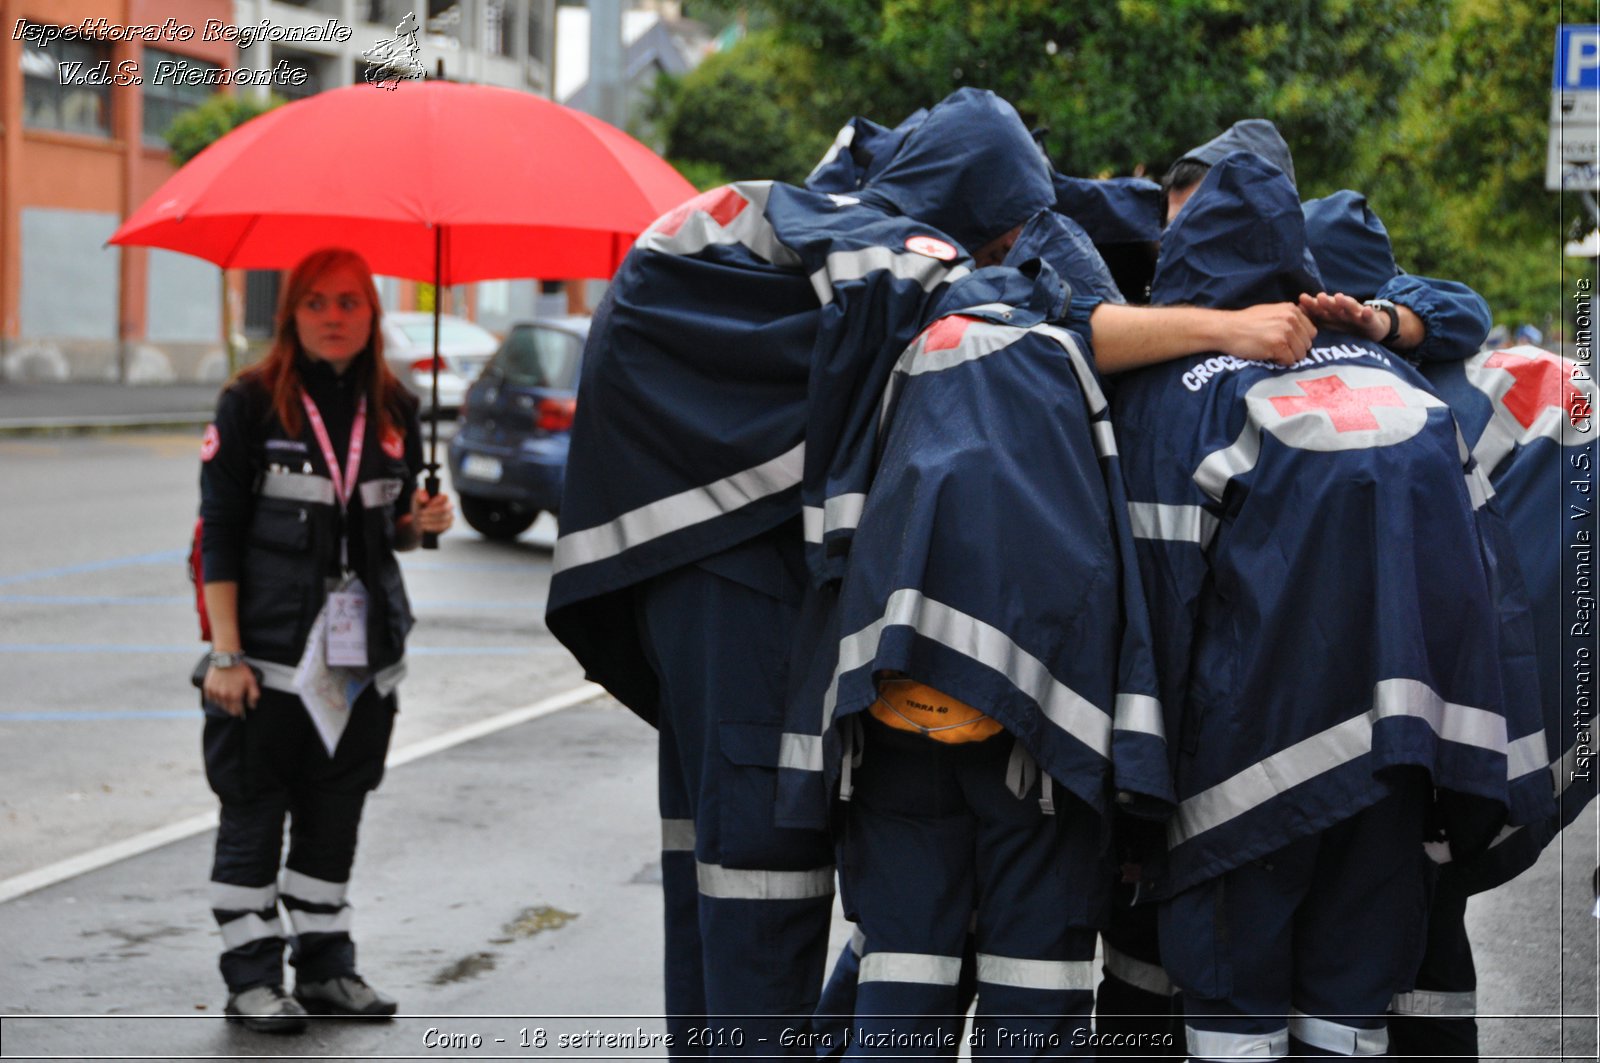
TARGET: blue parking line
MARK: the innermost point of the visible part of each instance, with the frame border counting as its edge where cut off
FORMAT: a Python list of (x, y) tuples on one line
[(90, 715), (160, 557)]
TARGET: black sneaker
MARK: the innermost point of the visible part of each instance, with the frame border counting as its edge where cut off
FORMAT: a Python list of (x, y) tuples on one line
[(266, 1009), (347, 994)]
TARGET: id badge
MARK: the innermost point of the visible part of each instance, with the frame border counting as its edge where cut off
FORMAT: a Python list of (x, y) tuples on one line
[(347, 626)]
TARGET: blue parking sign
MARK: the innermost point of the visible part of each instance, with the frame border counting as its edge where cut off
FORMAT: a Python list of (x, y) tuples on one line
[(1577, 59)]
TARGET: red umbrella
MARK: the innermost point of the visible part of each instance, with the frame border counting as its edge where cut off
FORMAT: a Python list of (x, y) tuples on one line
[(431, 181), (517, 186)]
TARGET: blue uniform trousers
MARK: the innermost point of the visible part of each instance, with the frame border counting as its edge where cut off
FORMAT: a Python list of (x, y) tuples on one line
[(1438, 1018), (836, 1010), (267, 765), (747, 905), (1136, 1011), (934, 833), (1302, 951)]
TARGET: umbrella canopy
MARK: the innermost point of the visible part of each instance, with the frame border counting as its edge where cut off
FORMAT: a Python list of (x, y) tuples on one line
[(518, 187)]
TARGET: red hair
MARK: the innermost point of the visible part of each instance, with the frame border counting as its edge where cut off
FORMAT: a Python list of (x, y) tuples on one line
[(276, 372)]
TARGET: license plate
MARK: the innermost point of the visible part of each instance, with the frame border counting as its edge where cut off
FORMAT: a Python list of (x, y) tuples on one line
[(481, 468)]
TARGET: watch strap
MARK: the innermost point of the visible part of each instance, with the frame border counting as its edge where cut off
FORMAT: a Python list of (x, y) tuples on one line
[(1394, 319)]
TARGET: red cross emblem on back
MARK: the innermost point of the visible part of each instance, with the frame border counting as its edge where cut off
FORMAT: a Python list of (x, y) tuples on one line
[(1540, 383), (1349, 408), (946, 333), (721, 205)]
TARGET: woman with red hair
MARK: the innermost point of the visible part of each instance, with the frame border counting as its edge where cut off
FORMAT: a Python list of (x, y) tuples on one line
[(308, 486)]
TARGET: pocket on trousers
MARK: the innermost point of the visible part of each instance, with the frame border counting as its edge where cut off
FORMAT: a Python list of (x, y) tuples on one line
[(222, 744), (1193, 929), (357, 763), (746, 796)]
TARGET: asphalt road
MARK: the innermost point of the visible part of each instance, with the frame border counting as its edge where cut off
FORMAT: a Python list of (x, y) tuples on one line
[(505, 882), (98, 724)]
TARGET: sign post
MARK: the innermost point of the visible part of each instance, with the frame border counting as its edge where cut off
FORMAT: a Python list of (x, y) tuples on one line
[(1574, 160)]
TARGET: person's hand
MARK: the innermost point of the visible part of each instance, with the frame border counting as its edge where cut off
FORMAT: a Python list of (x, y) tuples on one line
[(434, 514), (234, 689), (1272, 332), (1342, 313)]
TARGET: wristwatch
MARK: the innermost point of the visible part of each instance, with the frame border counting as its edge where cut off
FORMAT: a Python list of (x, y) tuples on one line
[(220, 659), (1394, 319)]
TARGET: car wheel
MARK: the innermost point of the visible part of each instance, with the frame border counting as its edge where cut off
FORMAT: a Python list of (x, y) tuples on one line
[(496, 520)]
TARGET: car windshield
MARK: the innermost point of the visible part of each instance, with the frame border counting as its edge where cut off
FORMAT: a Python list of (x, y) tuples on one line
[(452, 331), (539, 357)]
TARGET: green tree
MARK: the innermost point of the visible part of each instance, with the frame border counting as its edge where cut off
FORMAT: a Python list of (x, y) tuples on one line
[(1437, 110), (198, 128), (1125, 84), (1459, 176), (746, 113)]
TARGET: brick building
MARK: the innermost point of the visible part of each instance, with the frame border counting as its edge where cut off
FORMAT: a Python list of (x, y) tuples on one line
[(78, 155)]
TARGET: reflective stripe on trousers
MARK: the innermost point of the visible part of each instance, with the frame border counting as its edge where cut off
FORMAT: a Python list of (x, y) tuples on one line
[(1149, 977), (1218, 1045), (1434, 1003), (1337, 1037)]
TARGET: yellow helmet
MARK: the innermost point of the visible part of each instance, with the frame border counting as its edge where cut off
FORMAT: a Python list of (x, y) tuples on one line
[(908, 705)]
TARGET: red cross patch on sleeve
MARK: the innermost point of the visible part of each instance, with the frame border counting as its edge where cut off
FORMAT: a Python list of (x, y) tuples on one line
[(394, 443), (210, 443), (932, 247)]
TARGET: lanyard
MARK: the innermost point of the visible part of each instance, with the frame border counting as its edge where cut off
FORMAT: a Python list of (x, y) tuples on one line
[(343, 486)]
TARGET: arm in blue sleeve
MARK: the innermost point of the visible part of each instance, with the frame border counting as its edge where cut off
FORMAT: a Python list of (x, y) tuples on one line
[(1079, 309), (1455, 317)]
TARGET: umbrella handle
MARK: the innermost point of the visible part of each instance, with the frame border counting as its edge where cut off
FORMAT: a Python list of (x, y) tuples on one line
[(430, 484)]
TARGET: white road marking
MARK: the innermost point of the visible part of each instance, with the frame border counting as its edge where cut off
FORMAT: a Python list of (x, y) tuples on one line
[(105, 855)]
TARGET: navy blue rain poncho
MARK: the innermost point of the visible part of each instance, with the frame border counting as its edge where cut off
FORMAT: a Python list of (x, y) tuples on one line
[(1258, 136), (859, 153), (1122, 216), (993, 558), (1070, 252), (731, 378), (1319, 584), (1352, 250), (1527, 416)]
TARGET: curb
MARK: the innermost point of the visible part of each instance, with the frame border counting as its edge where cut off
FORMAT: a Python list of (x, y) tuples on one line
[(89, 425)]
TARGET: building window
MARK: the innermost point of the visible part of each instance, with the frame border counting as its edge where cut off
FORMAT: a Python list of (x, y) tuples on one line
[(385, 12), (309, 87), (167, 97), (497, 28), (536, 32), (74, 108), (261, 288)]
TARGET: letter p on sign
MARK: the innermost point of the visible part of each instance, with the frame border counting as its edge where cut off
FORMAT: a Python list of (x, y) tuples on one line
[(1577, 58)]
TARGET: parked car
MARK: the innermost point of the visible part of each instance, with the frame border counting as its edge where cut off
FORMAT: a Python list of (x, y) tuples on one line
[(508, 458), (408, 348)]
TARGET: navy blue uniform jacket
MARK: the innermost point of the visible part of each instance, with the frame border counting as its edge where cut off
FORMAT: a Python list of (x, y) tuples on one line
[(1320, 584), (732, 375)]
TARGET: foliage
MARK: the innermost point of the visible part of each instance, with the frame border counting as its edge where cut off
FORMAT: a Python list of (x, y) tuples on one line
[(1126, 84), (1437, 111), (1459, 176), (743, 114), (199, 127)]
